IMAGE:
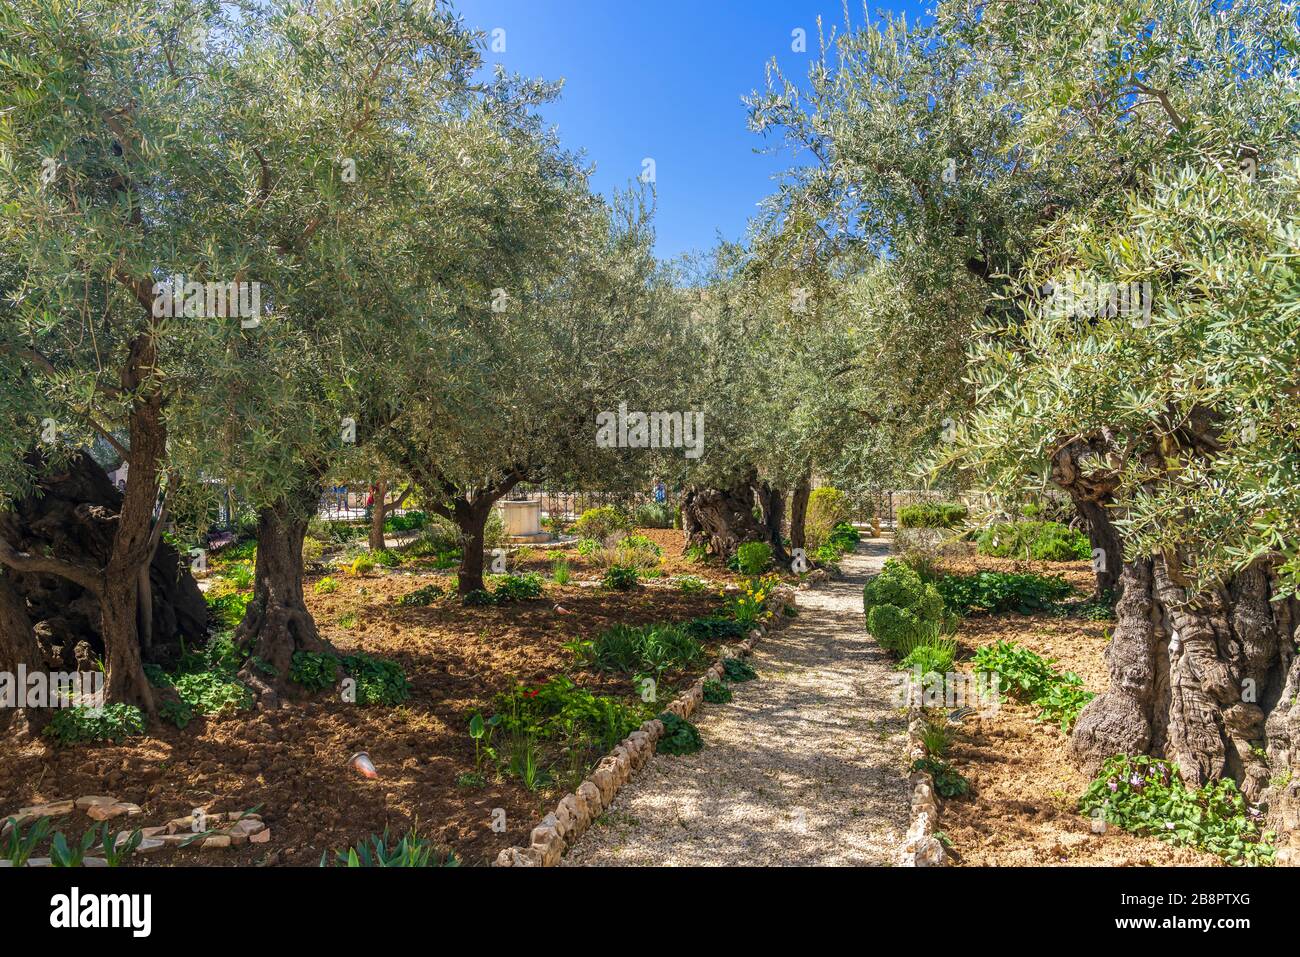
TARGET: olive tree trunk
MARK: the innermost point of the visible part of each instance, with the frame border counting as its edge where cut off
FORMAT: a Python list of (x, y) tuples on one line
[(721, 519)]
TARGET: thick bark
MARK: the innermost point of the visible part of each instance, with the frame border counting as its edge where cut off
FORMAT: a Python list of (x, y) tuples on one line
[(771, 502), (378, 515), (471, 518), (1091, 495), (1198, 678), (799, 513), (722, 519), (18, 648), (277, 622)]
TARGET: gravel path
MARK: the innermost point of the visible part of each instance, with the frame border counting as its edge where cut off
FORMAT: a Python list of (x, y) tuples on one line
[(803, 767)]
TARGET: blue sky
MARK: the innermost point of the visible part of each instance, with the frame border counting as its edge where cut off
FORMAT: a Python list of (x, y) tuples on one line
[(663, 79)]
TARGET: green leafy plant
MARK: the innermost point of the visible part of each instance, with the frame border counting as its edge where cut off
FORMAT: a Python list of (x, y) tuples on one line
[(116, 846), (620, 578), (653, 515), (691, 585), (928, 650), (1146, 795), (410, 851), (736, 670), (519, 587), (715, 628), (1040, 541), (601, 523), (715, 692), (754, 558), (114, 722), (995, 592), (421, 597), (20, 840), (1029, 677), (481, 731), (561, 573), (314, 670), (679, 737), (478, 598), (387, 558), (827, 508), (63, 854), (326, 586), (935, 738), (633, 649), (177, 712), (212, 692), (379, 682), (948, 782)]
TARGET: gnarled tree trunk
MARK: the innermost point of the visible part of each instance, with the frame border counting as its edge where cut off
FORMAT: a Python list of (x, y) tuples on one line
[(18, 649), (799, 513), (1206, 680), (277, 622), (720, 519), (771, 502)]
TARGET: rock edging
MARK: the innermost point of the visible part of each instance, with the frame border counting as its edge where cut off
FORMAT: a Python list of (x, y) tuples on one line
[(576, 811), (921, 848)]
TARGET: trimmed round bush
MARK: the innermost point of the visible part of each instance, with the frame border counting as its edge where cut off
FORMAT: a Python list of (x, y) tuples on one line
[(601, 523), (899, 606), (932, 515)]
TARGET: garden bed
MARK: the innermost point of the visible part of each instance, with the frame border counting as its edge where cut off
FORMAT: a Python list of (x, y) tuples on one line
[(1022, 806), (291, 764)]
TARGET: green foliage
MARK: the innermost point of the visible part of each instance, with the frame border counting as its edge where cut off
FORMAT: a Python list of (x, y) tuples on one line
[(387, 558), (379, 682), (518, 587), (715, 692), (63, 854), (935, 738), (177, 712), (114, 722), (326, 586), (620, 578), (995, 592), (843, 538), (679, 737), (409, 522), (653, 515), (411, 851), (314, 670), (561, 711), (714, 628), (696, 554), (900, 607), (928, 651), (18, 843), (213, 692), (749, 608), (637, 649), (227, 608), (827, 508), (1029, 677), (1040, 541), (422, 596), (588, 547), (948, 782), (691, 585), (561, 573), (601, 524), (736, 670), (932, 515), (754, 558), (1146, 795)]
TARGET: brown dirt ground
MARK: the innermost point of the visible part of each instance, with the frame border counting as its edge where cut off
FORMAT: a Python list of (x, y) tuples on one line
[(291, 762), (1021, 809)]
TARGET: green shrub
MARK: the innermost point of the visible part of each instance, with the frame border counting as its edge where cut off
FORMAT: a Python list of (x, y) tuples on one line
[(932, 515), (561, 574), (679, 737), (899, 607), (421, 597), (601, 523), (843, 538), (653, 515), (478, 598), (691, 585), (559, 710), (715, 628), (827, 508), (114, 722), (754, 558), (929, 651), (177, 712), (387, 558), (1147, 795), (995, 592), (326, 586), (227, 608), (634, 649), (715, 692), (736, 670), (588, 547), (1041, 541), (620, 577), (519, 587), (409, 522)]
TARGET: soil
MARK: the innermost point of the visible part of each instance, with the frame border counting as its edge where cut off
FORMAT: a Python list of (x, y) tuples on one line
[(1021, 809), (291, 763)]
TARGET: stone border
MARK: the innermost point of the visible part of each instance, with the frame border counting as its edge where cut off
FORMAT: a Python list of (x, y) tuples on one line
[(560, 829), (922, 848)]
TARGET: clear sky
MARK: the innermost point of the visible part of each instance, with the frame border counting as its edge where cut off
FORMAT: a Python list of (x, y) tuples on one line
[(663, 79)]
